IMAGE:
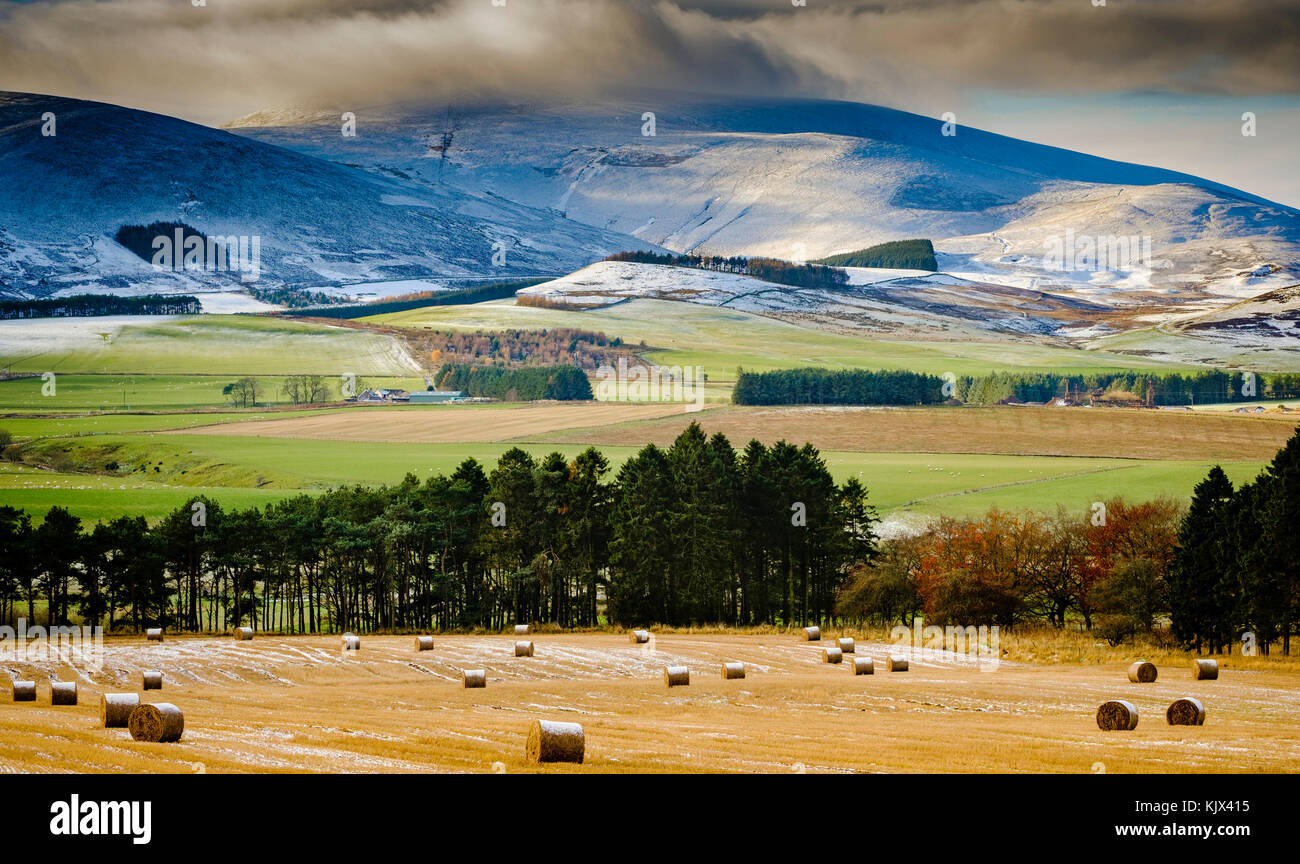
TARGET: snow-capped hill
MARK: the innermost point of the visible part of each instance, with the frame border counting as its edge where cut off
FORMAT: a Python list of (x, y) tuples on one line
[(608, 282), (802, 179), (63, 196), (875, 301)]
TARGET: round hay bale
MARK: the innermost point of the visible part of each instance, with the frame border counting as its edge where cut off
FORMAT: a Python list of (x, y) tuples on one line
[(552, 741), (423, 643), (521, 630), (812, 634), (897, 663), (1186, 712), (1142, 672), (153, 634), (677, 676), (847, 645), (351, 643), (24, 691), (115, 709), (523, 649), (640, 637), (474, 678), (832, 655), (243, 633), (864, 666), (1117, 716), (63, 692), (152, 680), (1205, 670), (159, 722), (733, 669)]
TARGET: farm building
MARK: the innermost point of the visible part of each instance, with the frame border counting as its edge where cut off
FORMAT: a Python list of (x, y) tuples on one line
[(428, 397), (381, 395)]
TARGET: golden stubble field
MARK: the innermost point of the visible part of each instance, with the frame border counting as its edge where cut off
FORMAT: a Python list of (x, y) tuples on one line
[(300, 704)]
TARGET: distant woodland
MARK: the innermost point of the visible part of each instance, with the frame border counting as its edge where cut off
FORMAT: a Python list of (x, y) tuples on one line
[(86, 305), (902, 254), (767, 269)]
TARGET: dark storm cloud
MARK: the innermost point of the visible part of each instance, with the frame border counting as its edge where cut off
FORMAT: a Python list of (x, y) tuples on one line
[(231, 56)]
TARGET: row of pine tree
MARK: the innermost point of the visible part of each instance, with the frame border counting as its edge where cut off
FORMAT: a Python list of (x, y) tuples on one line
[(1236, 566), (694, 533)]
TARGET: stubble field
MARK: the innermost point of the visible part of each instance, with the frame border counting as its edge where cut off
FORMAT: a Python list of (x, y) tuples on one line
[(293, 704)]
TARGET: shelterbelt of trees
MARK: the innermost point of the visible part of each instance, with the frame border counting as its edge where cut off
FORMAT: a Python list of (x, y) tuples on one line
[(899, 387), (695, 533), (88, 305), (515, 384), (906, 254), (767, 269), (296, 298), (1224, 570)]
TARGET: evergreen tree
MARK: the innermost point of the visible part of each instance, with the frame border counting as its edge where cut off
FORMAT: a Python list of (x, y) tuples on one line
[(1198, 565), (641, 549), (1280, 535)]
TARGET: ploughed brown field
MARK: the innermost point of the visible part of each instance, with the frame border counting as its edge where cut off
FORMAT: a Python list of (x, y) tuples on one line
[(293, 704), (1006, 429), (445, 423)]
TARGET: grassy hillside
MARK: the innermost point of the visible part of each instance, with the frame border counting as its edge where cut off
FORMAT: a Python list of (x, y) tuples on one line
[(198, 345), (154, 472), (124, 392), (722, 340)]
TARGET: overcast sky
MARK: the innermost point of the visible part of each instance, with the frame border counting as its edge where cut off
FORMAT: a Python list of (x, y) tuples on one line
[(1163, 82)]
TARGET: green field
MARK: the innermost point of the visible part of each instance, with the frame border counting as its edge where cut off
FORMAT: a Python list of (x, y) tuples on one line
[(272, 463), (157, 472), (95, 499), (199, 345), (722, 340), (94, 447), (31, 426), (1031, 483), (119, 392)]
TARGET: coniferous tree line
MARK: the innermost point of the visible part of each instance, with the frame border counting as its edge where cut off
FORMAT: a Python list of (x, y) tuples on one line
[(906, 254), (695, 533), (417, 300), (767, 269), (517, 384), (1236, 568), (140, 238), (88, 305), (896, 387), (1172, 388), (837, 387)]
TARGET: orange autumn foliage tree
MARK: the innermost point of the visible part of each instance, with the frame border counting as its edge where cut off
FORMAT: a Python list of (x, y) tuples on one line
[(977, 571), (1129, 532), (1003, 568)]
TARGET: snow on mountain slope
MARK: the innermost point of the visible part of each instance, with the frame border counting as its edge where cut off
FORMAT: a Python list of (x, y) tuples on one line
[(63, 197), (911, 302), (800, 179), (1270, 320)]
